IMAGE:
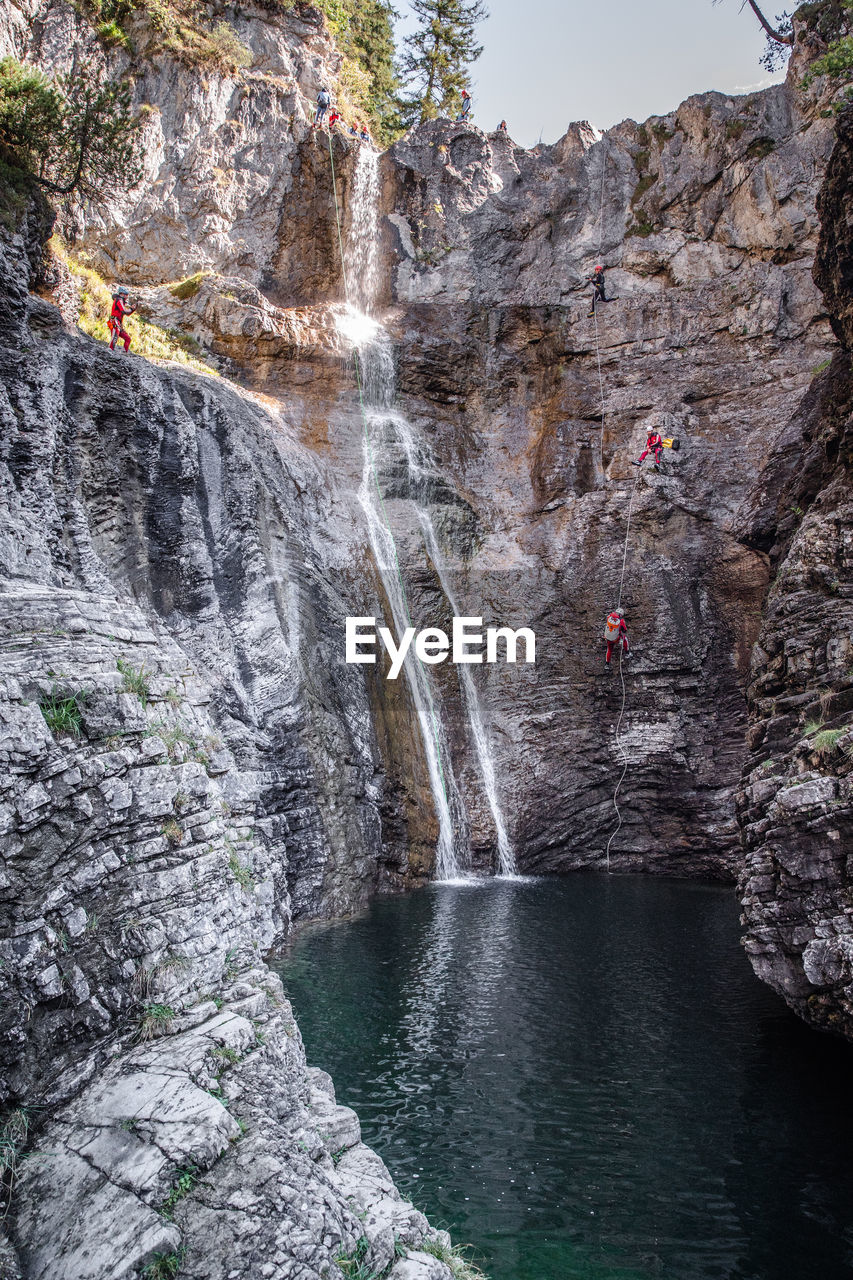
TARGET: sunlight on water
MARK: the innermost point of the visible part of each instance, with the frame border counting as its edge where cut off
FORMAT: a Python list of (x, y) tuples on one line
[(355, 327)]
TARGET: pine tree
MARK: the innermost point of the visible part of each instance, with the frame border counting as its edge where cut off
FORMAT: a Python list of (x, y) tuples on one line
[(372, 33), (437, 56)]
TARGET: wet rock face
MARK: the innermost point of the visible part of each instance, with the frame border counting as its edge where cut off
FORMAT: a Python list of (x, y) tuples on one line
[(795, 806), (706, 222)]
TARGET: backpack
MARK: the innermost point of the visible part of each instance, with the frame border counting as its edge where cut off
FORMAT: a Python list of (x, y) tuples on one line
[(323, 99), (611, 628)]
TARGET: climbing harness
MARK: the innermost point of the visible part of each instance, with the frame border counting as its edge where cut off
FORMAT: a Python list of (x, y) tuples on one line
[(372, 462)]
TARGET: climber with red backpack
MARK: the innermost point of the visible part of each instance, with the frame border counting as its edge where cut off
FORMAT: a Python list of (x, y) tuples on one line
[(614, 629), (116, 321)]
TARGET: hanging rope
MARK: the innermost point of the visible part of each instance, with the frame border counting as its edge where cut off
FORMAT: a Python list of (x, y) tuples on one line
[(619, 743), (615, 833), (374, 474), (594, 308)]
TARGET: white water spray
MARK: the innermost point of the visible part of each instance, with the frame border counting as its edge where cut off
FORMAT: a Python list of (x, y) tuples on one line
[(361, 256)]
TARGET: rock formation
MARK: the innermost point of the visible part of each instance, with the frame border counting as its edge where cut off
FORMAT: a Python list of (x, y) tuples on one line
[(795, 806), (191, 766)]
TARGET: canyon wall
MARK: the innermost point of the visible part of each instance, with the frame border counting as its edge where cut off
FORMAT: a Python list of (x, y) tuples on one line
[(795, 806)]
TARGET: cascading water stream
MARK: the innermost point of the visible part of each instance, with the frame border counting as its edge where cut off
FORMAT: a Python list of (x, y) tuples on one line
[(385, 434), (482, 745)]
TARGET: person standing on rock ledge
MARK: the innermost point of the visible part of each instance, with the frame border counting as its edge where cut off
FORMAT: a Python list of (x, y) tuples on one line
[(324, 101), (614, 629), (116, 320), (465, 113)]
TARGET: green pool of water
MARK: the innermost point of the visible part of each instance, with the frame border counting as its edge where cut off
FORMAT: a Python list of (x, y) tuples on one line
[(584, 1080)]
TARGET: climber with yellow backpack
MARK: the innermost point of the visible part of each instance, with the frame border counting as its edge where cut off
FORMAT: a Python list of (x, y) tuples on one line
[(655, 444)]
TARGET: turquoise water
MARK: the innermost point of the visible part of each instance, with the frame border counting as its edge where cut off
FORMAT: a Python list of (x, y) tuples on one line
[(583, 1078)]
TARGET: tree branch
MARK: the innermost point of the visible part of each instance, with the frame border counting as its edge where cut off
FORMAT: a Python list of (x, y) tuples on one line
[(774, 35)]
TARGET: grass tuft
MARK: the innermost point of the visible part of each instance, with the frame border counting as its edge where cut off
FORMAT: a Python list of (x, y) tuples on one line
[(63, 711), (453, 1257), (164, 1266), (825, 742), (135, 680), (156, 1020), (186, 1177)]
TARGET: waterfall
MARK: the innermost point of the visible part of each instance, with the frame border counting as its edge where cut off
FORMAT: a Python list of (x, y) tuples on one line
[(377, 365), (361, 256), (387, 432), (506, 857)]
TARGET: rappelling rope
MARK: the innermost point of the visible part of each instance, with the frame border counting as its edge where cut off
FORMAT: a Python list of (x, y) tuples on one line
[(615, 833), (619, 743), (594, 308), (373, 472)]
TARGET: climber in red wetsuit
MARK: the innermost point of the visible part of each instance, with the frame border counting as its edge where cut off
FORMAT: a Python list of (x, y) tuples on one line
[(614, 628), (116, 320), (654, 445)]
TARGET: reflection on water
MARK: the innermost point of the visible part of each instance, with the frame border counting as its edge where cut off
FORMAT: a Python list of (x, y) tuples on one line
[(583, 1078)]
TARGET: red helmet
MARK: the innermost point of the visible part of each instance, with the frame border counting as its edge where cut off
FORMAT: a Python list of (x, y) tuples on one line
[(464, 93), (599, 267)]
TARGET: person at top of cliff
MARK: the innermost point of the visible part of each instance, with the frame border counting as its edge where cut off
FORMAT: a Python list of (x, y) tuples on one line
[(614, 629), (116, 320), (334, 117), (654, 445), (466, 107), (597, 282), (502, 127), (324, 101), (365, 133), (353, 130)]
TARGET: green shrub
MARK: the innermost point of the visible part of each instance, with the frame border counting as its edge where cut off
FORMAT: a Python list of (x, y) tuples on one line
[(188, 288), (63, 711), (228, 49), (72, 133), (112, 34)]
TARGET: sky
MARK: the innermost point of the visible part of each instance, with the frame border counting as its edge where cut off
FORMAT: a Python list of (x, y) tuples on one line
[(548, 62)]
